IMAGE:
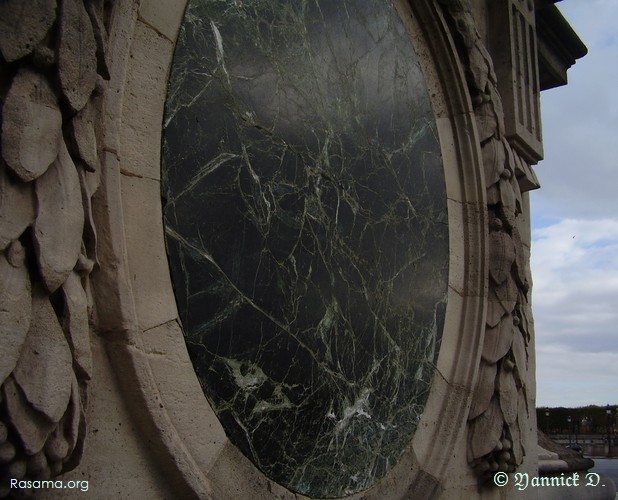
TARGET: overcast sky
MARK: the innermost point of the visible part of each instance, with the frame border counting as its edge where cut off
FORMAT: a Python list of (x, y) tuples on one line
[(575, 221)]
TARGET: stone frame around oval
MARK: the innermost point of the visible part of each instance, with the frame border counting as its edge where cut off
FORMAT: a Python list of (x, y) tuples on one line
[(137, 315)]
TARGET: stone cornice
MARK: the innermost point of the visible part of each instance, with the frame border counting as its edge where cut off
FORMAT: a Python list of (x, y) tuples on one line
[(559, 46)]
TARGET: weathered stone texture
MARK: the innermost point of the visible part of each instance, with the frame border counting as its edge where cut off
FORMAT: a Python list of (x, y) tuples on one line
[(76, 323), (84, 138), (31, 125), (14, 310), (44, 369), (17, 209), (77, 62), (60, 221), (23, 24), (32, 427)]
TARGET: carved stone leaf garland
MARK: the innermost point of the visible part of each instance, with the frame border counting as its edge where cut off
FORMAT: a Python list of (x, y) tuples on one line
[(50, 53), (499, 404)]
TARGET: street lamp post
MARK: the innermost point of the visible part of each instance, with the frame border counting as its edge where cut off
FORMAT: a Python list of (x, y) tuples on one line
[(609, 433), (570, 430), (547, 421)]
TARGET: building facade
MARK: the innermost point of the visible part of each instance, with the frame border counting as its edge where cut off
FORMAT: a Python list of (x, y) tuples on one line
[(271, 249)]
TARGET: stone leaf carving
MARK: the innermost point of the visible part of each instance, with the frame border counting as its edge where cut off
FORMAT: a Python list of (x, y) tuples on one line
[(507, 388), (31, 125), (16, 208), (518, 450), (15, 308), (505, 293), (60, 220), (495, 312), (502, 298), (76, 323), (73, 425), (486, 430), (502, 256), (89, 182), (484, 389), (77, 62), (520, 357), (95, 11), (510, 200), (23, 24), (498, 340), (43, 400), (44, 370), (495, 435), (59, 446), (487, 122), (32, 427), (84, 138)]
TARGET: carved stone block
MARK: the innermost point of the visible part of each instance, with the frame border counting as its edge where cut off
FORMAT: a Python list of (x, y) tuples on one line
[(513, 44)]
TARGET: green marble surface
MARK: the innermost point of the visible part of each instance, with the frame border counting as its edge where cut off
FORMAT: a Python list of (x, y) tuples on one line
[(307, 232)]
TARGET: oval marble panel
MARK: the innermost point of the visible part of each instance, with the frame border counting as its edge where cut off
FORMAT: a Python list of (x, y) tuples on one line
[(307, 231)]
